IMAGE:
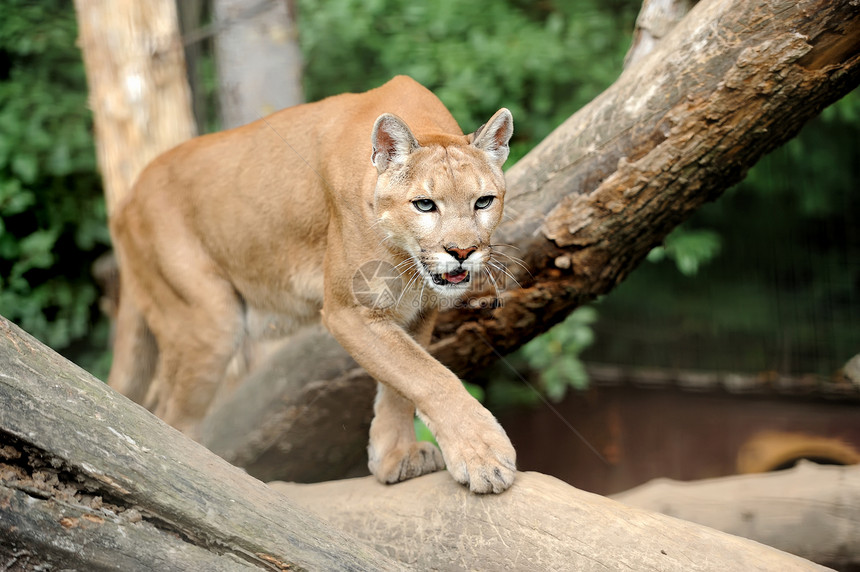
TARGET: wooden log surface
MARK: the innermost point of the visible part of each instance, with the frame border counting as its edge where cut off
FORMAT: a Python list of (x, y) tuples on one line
[(87, 474), (91, 481), (811, 510), (540, 524)]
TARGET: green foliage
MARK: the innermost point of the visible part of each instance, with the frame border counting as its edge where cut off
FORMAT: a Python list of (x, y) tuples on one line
[(556, 353), (546, 367), (690, 249), (541, 61), (52, 216), (422, 433), (780, 288)]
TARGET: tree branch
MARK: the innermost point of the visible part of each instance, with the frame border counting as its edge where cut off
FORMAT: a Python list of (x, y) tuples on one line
[(812, 511)]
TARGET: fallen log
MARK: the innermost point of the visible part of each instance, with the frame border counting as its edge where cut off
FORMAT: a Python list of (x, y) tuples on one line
[(90, 480), (811, 510), (540, 524)]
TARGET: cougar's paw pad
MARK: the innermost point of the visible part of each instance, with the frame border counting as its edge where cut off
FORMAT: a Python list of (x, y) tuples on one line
[(486, 477), (409, 462), (486, 463)]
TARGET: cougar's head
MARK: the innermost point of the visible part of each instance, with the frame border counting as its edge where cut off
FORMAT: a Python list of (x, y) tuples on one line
[(440, 201)]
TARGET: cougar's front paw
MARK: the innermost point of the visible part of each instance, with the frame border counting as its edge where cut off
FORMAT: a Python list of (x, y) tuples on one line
[(479, 454), (405, 462)]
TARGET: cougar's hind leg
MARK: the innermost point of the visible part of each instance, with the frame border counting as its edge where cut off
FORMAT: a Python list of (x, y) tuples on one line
[(134, 352), (197, 338), (394, 455)]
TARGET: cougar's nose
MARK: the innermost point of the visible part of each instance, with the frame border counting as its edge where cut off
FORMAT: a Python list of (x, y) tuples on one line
[(460, 254)]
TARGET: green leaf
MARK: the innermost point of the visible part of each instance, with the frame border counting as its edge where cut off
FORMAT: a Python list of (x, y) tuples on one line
[(690, 249), (475, 391), (422, 433), (25, 166), (13, 199), (35, 251)]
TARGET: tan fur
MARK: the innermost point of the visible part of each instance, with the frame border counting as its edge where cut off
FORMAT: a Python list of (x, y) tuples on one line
[(240, 236)]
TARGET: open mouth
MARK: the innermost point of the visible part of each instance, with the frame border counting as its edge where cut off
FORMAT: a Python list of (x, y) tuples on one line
[(449, 278)]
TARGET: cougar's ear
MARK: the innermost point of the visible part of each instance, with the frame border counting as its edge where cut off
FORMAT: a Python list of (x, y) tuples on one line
[(392, 141), (493, 136)]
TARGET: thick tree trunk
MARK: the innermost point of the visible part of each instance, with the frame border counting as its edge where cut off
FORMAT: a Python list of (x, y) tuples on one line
[(91, 481), (138, 89), (812, 510), (258, 58), (312, 392), (732, 81)]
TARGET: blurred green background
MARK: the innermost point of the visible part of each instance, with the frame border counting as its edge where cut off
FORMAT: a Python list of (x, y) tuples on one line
[(765, 279)]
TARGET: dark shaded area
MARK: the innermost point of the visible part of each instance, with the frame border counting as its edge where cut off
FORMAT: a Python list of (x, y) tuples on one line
[(782, 295), (649, 432)]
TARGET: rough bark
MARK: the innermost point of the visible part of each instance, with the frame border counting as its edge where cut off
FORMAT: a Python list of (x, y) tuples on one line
[(91, 481), (258, 58), (540, 524), (732, 81), (812, 510), (656, 19), (138, 88)]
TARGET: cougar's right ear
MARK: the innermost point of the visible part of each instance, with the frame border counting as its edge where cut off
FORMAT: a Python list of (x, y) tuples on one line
[(493, 136), (392, 141)]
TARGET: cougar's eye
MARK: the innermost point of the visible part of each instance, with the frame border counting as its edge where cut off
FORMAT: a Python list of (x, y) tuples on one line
[(484, 202), (424, 205)]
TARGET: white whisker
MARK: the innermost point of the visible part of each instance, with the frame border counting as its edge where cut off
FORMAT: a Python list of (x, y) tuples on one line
[(421, 294), (405, 288), (493, 280), (384, 238), (498, 266), (408, 261), (515, 260), (404, 270), (515, 247)]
